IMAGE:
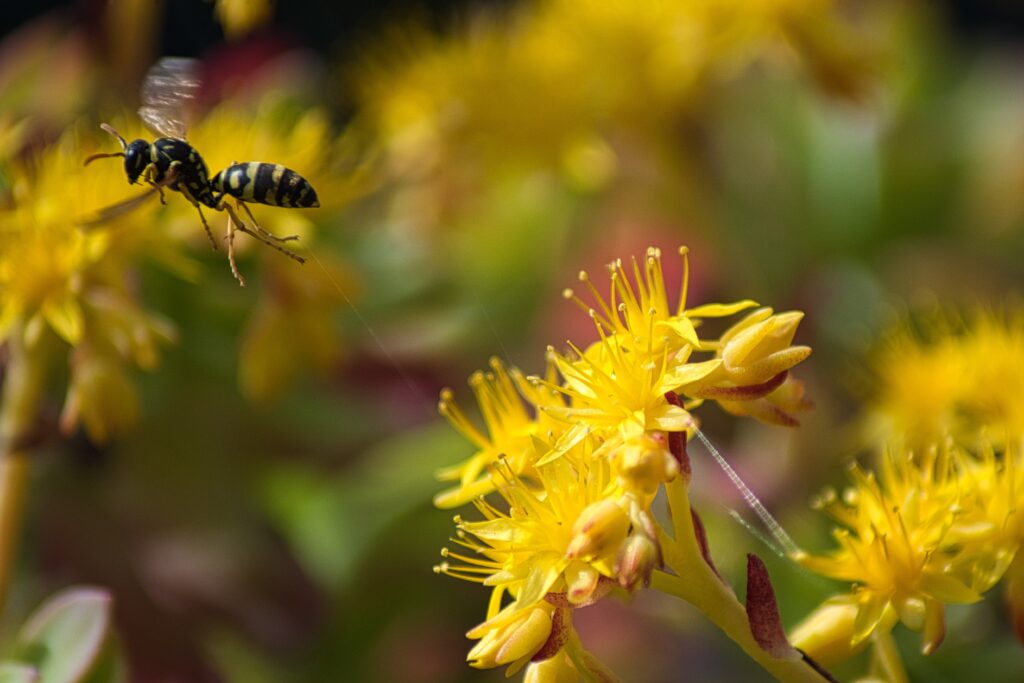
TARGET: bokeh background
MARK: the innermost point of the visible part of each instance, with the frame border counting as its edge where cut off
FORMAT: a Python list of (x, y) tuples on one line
[(267, 516)]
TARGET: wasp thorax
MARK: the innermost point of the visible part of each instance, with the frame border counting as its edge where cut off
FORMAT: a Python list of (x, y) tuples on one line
[(136, 158)]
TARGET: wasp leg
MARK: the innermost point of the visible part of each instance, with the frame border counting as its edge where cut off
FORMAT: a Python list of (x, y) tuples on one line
[(259, 228), (270, 243), (206, 226), (230, 238), (150, 171), (123, 207)]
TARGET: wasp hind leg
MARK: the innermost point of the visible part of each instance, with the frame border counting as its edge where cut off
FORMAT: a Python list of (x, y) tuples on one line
[(230, 239), (206, 226), (259, 234), (259, 228)]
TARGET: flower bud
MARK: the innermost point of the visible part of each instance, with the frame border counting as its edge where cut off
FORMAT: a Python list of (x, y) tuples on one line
[(558, 669), (644, 463), (100, 395), (753, 352), (512, 637), (599, 530), (582, 580), (826, 634), (638, 557)]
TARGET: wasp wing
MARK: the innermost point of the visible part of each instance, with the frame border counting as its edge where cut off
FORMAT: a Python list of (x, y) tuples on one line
[(111, 212), (169, 93)]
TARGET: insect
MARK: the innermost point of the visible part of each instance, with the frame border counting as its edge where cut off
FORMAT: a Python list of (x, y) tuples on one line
[(170, 162)]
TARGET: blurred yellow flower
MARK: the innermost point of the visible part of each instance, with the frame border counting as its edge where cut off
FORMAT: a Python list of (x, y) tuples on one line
[(57, 276), (963, 381), (573, 90)]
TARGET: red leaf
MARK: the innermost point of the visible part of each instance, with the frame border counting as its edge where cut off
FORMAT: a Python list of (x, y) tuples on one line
[(743, 393), (763, 612), (702, 542), (677, 442), (561, 627)]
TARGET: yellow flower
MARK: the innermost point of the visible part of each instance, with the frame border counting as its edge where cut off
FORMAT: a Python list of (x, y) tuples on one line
[(899, 545), (291, 331), (562, 76), (57, 276), (560, 537), (827, 633), (558, 669), (45, 259), (637, 315), (580, 455), (515, 635), (515, 429), (615, 393), (992, 526), (950, 380)]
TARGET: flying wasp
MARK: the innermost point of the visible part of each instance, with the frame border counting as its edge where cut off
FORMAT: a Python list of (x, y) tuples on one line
[(168, 92)]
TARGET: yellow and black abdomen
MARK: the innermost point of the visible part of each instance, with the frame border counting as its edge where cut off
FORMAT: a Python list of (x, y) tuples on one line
[(263, 183)]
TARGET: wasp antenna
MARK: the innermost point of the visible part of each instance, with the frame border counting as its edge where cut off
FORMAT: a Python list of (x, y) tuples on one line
[(110, 129), (93, 157)]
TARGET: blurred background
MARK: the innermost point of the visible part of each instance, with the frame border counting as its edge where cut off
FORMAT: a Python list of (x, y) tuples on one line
[(264, 514)]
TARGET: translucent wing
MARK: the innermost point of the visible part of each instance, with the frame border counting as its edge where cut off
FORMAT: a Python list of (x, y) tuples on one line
[(111, 212), (168, 94)]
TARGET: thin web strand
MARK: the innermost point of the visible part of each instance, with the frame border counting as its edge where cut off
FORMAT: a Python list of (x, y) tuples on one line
[(373, 335), (774, 528)]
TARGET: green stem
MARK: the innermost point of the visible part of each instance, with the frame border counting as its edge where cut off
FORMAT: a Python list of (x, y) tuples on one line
[(885, 657), (22, 391), (590, 668), (695, 582)]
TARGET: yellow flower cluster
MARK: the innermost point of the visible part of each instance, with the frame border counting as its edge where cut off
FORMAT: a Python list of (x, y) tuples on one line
[(952, 380), (579, 454), (78, 285), (941, 523), (58, 280), (571, 88)]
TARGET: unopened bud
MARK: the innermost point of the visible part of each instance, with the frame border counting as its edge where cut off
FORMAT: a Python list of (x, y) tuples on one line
[(101, 396), (598, 531), (638, 557), (826, 634), (645, 463), (511, 639), (558, 669)]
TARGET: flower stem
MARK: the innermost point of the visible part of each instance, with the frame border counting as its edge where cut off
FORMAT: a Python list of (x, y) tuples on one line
[(591, 669), (22, 389), (885, 657), (696, 582)]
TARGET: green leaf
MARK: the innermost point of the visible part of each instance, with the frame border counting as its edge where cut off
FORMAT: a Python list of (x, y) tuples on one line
[(65, 639), (332, 522)]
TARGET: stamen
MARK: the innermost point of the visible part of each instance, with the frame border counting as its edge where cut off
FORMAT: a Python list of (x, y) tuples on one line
[(684, 252)]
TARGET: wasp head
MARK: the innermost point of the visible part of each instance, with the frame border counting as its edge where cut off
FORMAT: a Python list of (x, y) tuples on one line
[(136, 158)]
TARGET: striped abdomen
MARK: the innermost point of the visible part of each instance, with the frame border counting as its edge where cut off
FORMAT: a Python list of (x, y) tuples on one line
[(262, 183)]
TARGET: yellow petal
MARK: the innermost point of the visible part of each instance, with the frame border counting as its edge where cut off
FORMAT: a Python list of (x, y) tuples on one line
[(65, 317), (719, 310)]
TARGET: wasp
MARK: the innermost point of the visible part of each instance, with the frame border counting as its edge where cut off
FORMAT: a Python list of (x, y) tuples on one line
[(168, 91)]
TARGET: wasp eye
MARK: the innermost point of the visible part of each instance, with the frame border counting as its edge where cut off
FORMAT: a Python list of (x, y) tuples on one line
[(135, 159)]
